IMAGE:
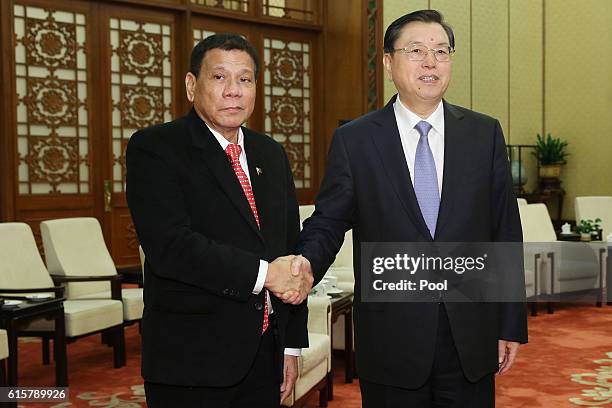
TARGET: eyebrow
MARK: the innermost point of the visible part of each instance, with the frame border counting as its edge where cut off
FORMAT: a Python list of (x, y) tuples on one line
[(241, 72), (422, 43)]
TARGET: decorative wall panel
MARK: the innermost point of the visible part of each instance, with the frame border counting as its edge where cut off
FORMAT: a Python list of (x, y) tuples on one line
[(234, 5), (51, 84), (291, 9), (141, 84), (287, 102), (374, 55), (200, 34)]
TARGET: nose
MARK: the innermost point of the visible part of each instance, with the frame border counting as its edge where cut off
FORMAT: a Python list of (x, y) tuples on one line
[(430, 60), (232, 88)]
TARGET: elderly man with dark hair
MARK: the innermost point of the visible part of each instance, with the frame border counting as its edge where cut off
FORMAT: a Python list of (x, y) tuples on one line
[(420, 170), (213, 204)]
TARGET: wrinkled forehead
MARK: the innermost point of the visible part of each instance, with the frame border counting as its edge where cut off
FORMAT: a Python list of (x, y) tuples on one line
[(416, 32), (234, 60)]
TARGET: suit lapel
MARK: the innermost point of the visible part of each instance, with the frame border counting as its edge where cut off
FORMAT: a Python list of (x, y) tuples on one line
[(219, 165), (453, 147), (260, 180), (389, 146)]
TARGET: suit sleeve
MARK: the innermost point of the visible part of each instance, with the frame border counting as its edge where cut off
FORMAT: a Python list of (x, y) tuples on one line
[(507, 228), (323, 233), (173, 249), (296, 335)]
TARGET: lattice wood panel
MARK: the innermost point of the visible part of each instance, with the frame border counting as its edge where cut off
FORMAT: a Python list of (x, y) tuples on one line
[(233, 5), (200, 34), (141, 83), (52, 117), (301, 10), (287, 102)]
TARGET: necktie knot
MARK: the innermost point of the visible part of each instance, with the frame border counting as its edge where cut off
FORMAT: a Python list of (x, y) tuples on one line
[(233, 152), (423, 128)]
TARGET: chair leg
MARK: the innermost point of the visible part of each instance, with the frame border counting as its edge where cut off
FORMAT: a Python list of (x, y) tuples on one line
[(45, 351), (534, 308), (330, 386), (323, 396), (549, 308), (118, 345), (3, 381)]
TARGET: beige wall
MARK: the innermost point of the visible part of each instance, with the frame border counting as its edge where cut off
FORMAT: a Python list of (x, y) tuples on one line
[(514, 62)]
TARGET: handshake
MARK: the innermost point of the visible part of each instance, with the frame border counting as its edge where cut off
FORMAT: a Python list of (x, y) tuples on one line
[(290, 278)]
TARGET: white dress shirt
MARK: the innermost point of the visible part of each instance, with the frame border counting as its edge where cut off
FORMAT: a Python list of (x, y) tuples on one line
[(263, 265), (406, 120)]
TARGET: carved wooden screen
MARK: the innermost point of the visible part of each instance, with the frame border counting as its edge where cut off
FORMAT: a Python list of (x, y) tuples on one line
[(288, 110), (233, 5), (301, 10), (51, 84), (141, 83), (51, 138)]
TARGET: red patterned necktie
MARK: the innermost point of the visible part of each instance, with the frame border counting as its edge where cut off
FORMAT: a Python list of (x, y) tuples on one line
[(233, 152)]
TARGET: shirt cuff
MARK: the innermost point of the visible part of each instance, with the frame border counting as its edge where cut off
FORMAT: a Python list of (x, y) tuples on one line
[(293, 352), (261, 277)]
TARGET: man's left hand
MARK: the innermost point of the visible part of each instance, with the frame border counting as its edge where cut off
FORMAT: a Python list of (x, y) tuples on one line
[(299, 266), (507, 351), (290, 373)]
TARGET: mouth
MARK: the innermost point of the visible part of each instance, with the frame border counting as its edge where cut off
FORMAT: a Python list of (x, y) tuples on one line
[(233, 109), (429, 79)]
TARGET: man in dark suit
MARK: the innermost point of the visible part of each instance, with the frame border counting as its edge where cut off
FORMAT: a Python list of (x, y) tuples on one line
[(212, 203), (420, 170)]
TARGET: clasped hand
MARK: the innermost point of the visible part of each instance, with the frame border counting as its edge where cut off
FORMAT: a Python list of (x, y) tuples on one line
[(290, 278)]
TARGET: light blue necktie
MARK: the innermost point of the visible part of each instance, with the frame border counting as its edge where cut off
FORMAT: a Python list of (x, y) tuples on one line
[(426, 179)]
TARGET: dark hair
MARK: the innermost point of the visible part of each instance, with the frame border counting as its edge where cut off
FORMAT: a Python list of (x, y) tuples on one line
[(223, 41), (424, 16)]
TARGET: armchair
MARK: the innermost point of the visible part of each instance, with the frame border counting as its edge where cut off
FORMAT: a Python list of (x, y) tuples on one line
[(22, 272), (76, 247), (4, 353), (314, 365), (566, 267)]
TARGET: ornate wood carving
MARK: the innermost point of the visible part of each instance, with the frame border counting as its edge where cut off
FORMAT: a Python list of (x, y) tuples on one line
[(304, 10), (287, 102), (374, 55), (51, 85), (200, 34), (141, 83), (233, 5)]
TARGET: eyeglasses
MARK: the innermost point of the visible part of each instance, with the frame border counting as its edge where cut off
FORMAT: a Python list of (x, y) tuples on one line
[(419, 53)]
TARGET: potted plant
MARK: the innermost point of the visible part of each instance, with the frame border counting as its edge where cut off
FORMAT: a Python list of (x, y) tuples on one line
[(589, 229), (551, 154)]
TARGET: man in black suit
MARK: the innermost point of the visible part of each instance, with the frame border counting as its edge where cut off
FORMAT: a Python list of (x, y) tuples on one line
[(212, 203), (420, 170)]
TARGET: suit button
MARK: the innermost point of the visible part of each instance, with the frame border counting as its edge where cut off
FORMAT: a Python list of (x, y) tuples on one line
[(226, 291), (258, 306)]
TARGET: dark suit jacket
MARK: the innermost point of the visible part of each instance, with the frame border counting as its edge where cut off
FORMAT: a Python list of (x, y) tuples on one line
[(202, 324), (367, 187)]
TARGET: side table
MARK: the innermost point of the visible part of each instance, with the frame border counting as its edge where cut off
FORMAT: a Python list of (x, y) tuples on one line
[(342, 305), (14, 318)]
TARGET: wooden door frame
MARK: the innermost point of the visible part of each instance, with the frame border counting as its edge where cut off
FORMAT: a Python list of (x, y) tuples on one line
[(8, 121)]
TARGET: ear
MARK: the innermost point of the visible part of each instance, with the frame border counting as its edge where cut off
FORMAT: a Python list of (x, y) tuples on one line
[(387, 58), (190, 83)]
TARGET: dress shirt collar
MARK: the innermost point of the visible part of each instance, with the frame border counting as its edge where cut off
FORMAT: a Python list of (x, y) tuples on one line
[(223, 141), (405, 115)]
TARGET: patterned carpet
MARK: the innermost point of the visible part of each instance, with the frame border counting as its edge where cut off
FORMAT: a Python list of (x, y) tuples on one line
[(568, 363)]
